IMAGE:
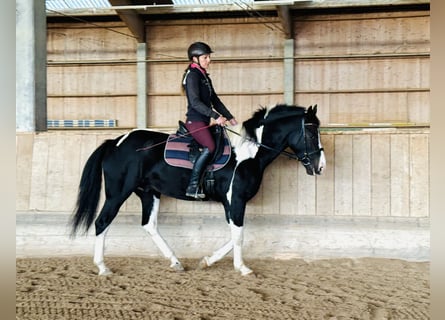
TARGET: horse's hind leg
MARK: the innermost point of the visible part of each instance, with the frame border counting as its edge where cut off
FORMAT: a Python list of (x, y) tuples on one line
[(150, 210), (220, 253), (102, 224), (216, 256), (99, 249)]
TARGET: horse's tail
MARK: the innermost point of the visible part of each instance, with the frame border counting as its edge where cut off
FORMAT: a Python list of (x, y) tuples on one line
[(89, 189)]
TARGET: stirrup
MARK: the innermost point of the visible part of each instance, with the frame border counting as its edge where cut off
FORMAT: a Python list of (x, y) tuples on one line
[(195, 194)]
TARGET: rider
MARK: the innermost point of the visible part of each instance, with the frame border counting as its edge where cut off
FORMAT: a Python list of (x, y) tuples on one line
[(202, 101)]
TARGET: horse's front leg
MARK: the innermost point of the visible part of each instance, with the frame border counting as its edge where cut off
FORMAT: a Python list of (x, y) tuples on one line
[(235, 243), (152, 228), (237, 239)]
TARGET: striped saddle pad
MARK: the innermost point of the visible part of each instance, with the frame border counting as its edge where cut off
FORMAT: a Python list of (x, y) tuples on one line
[(177, 152)]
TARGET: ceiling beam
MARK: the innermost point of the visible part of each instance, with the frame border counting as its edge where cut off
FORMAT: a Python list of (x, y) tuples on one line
[(167, 6), (132, 19), (286, 21)]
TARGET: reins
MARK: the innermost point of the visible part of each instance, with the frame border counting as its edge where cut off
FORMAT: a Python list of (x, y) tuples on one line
[(305, 159), (259, 144)]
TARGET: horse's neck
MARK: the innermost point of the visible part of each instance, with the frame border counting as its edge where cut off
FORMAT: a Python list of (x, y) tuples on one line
[(246, 148)]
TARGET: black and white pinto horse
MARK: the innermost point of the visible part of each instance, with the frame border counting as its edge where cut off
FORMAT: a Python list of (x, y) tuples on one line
[(135, 163)]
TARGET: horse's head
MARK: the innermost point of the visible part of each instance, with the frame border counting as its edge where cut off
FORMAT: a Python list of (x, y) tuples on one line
[(307, 144), (275, 129)]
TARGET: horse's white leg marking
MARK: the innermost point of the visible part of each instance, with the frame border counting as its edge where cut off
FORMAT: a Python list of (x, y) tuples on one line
[(217, 255), (237, 239), (99, 249), (152, 228)]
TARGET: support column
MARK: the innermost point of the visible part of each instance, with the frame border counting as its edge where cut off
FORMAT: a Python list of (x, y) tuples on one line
[(31, 109), (289, 74), (141, 112)]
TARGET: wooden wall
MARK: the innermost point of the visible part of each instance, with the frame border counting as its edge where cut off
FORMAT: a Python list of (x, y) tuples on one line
[(368, 174), (102, 86), (365, 67), (358, 68)]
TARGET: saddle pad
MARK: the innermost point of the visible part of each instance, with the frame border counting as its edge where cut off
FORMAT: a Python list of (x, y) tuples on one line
[(177, 150)]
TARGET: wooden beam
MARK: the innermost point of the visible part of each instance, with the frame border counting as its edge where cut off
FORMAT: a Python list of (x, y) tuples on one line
[(132, 19), (286, 21), (288, 71), (141, 110)]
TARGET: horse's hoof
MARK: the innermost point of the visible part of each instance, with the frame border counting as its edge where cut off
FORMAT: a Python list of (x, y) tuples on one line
[(203, 264), (245, 271), (177, 267), (105, 272)]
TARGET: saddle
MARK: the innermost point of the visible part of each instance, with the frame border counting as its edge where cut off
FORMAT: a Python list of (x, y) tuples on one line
[(181, 150)]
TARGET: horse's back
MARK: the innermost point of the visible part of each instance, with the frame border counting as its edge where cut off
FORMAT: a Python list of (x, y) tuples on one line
[(137, 137), (134, 147)]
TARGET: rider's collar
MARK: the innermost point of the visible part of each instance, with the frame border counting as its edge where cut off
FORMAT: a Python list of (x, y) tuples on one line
[(194, 65)]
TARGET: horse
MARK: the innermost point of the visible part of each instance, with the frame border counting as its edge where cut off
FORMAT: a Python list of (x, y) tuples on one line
[(134, 163)]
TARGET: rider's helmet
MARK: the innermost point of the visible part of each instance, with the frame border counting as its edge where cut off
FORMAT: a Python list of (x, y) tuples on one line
[(197, 49)]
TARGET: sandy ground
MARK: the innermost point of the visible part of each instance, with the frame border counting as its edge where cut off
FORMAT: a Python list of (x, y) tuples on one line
[(145, 288)]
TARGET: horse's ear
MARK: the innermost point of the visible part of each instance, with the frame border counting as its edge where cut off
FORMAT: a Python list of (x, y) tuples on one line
[(315, 109), (309, 110)]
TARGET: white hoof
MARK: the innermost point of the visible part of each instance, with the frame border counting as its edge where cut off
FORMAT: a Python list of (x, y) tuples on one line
[(177, 266), (204, 263), (244, 270), (105, 272)]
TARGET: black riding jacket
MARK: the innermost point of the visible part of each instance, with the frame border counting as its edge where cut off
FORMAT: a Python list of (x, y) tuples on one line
[(201, 97)]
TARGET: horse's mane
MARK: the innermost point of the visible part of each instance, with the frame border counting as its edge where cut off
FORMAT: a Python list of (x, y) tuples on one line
[(268, 115)]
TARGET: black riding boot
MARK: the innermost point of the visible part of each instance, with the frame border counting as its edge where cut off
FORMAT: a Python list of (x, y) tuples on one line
[(198, 168)]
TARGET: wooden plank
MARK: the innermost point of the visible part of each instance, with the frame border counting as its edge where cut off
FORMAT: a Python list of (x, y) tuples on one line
[(71, 169), (168, 205), (418, 107), (288, 193), (399, 33), (380, 175), (92, 79), (361, 171), (326, 182), (343, 175), (419, 185), (55, 197), (271, 186), (123, 109), (71, 42), (400, 175), (24, 155), (40, 158), (306, 200), (165, 111)]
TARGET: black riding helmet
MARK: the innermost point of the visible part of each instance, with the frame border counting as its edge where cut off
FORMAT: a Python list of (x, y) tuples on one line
[(197, 49)]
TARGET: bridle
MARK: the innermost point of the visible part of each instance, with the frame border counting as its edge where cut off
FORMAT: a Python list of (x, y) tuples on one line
[(305, 158)]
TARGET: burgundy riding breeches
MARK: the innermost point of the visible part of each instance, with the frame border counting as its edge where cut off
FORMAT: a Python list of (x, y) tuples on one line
[(200, 131)]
